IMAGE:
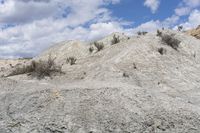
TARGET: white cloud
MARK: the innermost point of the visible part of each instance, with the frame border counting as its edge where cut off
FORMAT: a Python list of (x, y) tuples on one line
[(182, 11), (192, 3), (186, 7), (29, 26), (193, 20), (31, 39), (20, 12), (152, 4), (40, 23)]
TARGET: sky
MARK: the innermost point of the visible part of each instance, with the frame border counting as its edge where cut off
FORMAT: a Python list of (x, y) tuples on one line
[(27, 27)]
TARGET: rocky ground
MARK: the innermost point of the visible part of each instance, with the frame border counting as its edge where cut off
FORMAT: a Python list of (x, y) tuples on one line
[(194, 32), (128, 87)]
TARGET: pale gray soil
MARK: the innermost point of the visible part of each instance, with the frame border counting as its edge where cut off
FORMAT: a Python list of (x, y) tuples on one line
[(126, 88)]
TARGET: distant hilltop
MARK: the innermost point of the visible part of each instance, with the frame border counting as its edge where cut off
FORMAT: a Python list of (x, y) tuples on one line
[(195, 32)]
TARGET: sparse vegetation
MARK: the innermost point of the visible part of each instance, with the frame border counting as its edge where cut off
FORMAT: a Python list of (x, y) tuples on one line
[(125, 75), (159, 33), (134, 66), (139, 33), (26, 58), (91, 49), (180, 28), (162, 51), (170, 40), (71, 60), (142, 33), (99, 46), (115, 40), (39, 69)]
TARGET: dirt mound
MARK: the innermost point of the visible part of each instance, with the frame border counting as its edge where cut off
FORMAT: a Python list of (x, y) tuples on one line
[(141, 84)]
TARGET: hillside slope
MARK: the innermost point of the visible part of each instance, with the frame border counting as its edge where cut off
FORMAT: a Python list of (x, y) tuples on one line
[(128, 87), (195, 32)]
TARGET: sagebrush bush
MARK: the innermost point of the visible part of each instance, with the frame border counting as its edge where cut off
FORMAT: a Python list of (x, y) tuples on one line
[(170, 40), (91, 49), (99, 46), (115, 40), (71, 60), (39, 69), (142, 33), (180, 28), (162, 51), (125, 75), (159, 33)]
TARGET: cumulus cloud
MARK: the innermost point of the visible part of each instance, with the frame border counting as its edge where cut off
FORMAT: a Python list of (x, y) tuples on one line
[(186, 7), (31, 39), (152, 4), (27, 27), (182, 11), (25, 11), (192, 3), (193, 20), (30, 26)]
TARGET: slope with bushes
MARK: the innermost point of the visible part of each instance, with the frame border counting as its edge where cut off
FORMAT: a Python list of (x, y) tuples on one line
[(145, 83)]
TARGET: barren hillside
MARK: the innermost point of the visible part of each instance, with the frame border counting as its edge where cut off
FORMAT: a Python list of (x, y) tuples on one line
[(195, 32), (141, 84)]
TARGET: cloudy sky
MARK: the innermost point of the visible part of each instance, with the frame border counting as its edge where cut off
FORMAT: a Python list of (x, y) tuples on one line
[(27, 27)]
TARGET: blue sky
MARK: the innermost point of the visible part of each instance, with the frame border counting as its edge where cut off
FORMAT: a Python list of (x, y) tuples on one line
[(135, 11), (27, 27)]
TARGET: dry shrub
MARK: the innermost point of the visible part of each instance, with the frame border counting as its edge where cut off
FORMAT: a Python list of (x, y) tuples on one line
[(39, 69), (159, 33), (125, 75), (71, 60), (170, 40), (162, 51), (180, 28), (91, 49), (115, 40), (99, 46), (142, 33)]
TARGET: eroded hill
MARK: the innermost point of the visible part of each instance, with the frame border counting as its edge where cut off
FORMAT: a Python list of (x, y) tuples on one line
[(140, 84)]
